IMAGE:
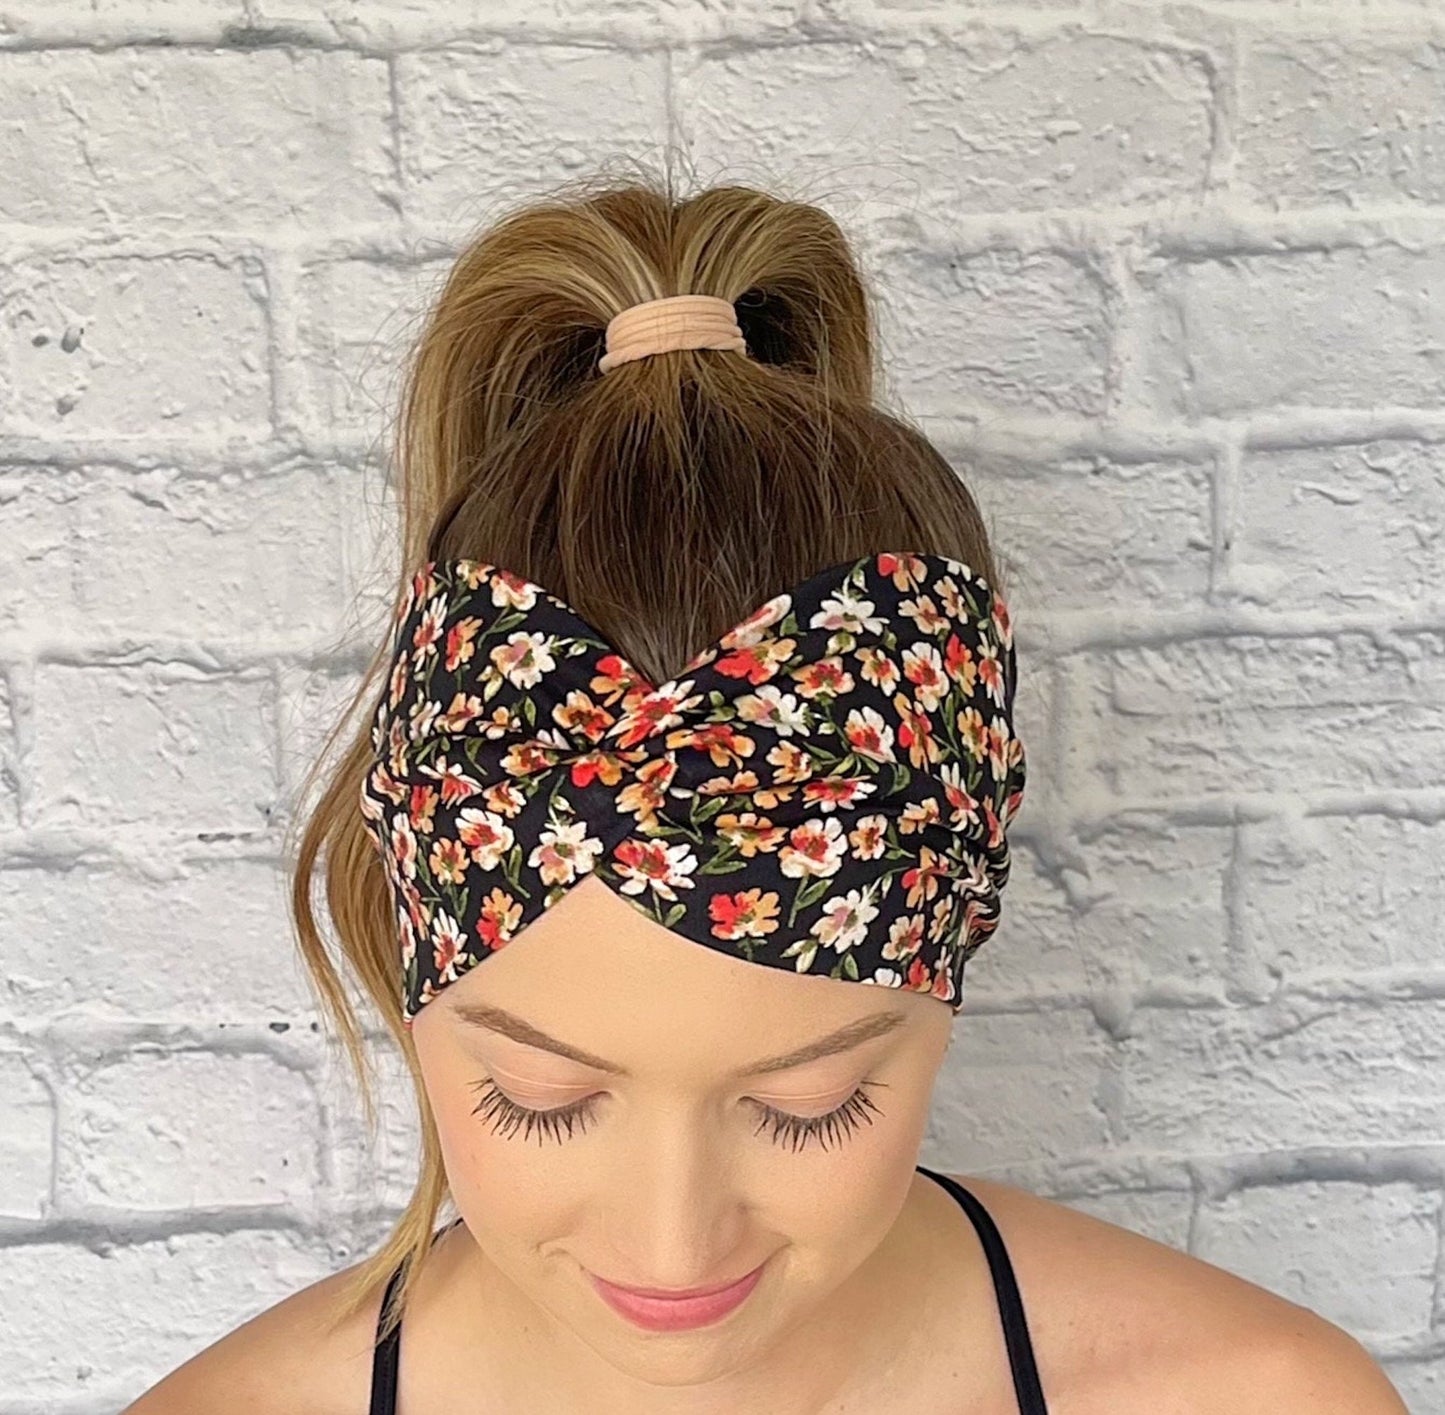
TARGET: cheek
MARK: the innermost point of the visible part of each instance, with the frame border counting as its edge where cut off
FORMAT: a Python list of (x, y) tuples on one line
[(449, 1077)]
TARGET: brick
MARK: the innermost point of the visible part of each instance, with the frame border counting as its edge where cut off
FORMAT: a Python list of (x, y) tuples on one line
[(273, 138), (372, 1172), (1049, 1067), (104, 345), (9, 758), (117, 1319), (1295, 509), (1025, 329), (1055, 119), (1361, 1255), (356, 320), (27, 1143), (1351, 119), (471, 119), (188, 1130), (201, 940), (1264, 1079), (1421, 1383), (37, 522), (1317, 900), (1145, 918), (162, 743), (1249, 714), (1336, 328), (258, 556), (1100, 534)]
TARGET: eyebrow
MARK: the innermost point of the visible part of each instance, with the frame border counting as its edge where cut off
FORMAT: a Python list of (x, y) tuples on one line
[(497, 1019)]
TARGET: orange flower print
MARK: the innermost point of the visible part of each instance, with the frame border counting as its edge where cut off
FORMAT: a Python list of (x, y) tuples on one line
[(869, 735), (749, 832), (826, 677), (564, 852), (926, 616), (990, 672), (500, 914), (828, 793), (845, 919), (751, 629), (403, 846), (915, 732), (878, 669), (751, 913), (905, 937), (523, 659), (921, 881), (964, 812), (448, 954), (960, 664), (461, 643), (973, 732), (814, 848), (869, 838), (485, 835), (776, 709), (581, 717), (665, 868), (792, 763), (923, 667), (757, 663), (448, 861)]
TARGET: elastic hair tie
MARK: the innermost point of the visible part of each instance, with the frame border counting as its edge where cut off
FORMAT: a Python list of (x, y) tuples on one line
[(674, 322)]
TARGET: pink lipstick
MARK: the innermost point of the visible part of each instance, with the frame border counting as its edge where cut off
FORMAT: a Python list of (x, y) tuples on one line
[(661, 1313)]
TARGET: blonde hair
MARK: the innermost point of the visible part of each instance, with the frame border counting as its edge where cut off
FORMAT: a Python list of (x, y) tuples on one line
[(762, 468)]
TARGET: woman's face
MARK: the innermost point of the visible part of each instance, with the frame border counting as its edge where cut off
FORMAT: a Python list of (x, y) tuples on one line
[(673, 1172)]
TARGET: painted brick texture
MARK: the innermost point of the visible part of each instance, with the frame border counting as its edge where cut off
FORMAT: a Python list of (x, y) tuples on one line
[(1163, 282)]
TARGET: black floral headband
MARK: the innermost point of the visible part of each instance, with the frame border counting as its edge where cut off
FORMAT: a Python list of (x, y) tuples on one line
[(824, 789)]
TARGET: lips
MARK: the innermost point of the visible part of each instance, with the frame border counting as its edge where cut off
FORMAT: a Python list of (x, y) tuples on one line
[(678, 1314), (679, 1294)]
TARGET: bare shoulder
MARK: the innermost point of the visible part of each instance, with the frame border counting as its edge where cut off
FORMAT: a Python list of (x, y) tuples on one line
[(1121, 1323), (300, 1357)]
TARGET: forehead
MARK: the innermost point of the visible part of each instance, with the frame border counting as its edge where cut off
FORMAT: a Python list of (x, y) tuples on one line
[(595, 971)]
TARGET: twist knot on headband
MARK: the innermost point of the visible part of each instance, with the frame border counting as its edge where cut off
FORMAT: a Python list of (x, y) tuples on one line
[(676, 322)]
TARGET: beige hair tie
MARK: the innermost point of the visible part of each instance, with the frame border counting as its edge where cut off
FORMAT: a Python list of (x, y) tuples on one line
[(675, 322)]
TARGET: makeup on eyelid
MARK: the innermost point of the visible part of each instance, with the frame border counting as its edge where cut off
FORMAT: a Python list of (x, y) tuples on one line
[(564, 1090)]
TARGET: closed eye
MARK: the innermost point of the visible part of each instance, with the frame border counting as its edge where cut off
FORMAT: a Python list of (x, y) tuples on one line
[(506, 1115)]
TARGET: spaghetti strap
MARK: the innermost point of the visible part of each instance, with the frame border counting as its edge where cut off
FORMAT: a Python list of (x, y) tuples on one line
[(384, 1356), (1027, 1388), (386, 1351)]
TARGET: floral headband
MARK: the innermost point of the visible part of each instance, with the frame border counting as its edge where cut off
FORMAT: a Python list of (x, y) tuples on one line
[(824, 789)]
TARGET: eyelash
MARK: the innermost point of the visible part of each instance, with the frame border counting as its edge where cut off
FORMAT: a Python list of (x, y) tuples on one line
[(505, 1113)]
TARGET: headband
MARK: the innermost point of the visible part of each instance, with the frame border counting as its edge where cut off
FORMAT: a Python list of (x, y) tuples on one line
[(824, 789)]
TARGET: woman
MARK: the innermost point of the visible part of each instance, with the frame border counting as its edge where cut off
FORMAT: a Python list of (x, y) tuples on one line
[(697, 646)]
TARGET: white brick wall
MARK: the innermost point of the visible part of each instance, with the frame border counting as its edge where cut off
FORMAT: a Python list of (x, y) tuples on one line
[(1168, 278)]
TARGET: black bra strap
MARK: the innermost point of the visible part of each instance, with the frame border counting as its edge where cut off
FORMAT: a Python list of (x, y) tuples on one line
[(385, 1354), (1027, 1387), (384, 1357)]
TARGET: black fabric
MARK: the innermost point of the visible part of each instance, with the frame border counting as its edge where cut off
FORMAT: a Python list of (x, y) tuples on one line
[(1027, 1389), (385, 1353)]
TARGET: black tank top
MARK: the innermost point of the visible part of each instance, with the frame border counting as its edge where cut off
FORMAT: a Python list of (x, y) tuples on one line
[(1010, 1306)]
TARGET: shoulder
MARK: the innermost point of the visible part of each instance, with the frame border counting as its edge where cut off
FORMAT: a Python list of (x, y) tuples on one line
[(302, 1356), (1122, 1323)]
